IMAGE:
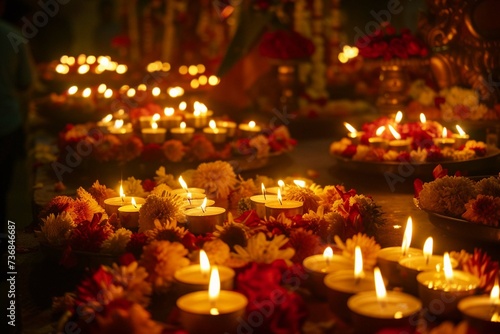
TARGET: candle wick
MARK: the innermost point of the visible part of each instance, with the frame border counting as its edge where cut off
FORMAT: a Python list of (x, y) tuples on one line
[(327, 260), (427, 258), (189, 200), (281, 203), (265, 199), (357, 280), (203, 209)]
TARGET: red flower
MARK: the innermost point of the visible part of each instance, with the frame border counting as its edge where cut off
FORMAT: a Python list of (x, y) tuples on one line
[(91, 288), (350, 151), (152, 152), (89, 235), (136, 243), (249, 218), (285, 44), (148, 185), (126, 259), (439, 172)]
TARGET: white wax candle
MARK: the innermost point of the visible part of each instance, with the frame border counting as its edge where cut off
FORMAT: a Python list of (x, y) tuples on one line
[(249, 129), (461, 281), (420, 263), (388, 261), (378, 142), (289, 208), (259, 203), (122, 133), (192, 190), (319, 264), (400, 145), (344, 281), (170, 122), (395, 306), (129, 215), (192, 275), (153, 136), (203, 221), (216, 136), (112, 204), (229, 126), (195, 203), (480, 308), (182, 134)]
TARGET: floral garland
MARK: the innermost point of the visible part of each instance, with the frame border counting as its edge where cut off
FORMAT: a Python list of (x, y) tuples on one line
[(422, 147), (107, 147), (266, 254), (461, 197)]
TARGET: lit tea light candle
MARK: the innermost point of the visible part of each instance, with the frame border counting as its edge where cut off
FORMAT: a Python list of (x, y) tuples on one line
[(146, 121), (196, 277), (398, 144), (229, 126), (354, 135), (121, 130), (153, 135), (447, 285), (129, 215), (444, 141), (259, 201), (214, 311), (343, 284), (185, 189), (399, 117), (204, 219), (169, 120), (410, 267), (461, 138), (112, 204), (378, 141), (214, 134), (382, 309), (249, 130), (287, 207), (105, 123), (199, 118), (182, 133), (280, 187), (482, 312), (72, 90), (300, 183), (319, 266), (388, 258)]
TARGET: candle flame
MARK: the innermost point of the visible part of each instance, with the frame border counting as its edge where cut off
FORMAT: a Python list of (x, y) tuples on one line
[(107, 118), (131, 92), (379, 285), (204, 263), (399, 117), (495, 294), (83, 68), (407, 236), (189, 196), (182, 105), (183, 183), (72, 90), (495, 317), (183, 125), (380, 130), (214, 289), (122, 194), (86, 92), (428, 248), (156, 117), (154, 125), (263, 189), (328, 254), (204, 205), (448, 270), (281, 184), (212, 124), (102, 88), (251, 124), (350, 128), (444, 133), (460, 130), (280, 199), (156, 91), (358, 263), (133, 202), (118, 124), (423, 119), (175, 91), (394, 132), (300, 183), (168, 111)]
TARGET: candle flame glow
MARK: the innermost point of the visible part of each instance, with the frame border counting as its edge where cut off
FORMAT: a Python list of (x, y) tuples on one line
[(183, 125), (122, 194), (83, 68), (131, 92), (495, 294), (300, 183), (280, 199), (156, 117), (328, 254), (350, 128), (107, 118), (102, 88), (204, 263), (182, 106), (460, 130), (168, 111), (214, 290), (423, 119), (251, 124), (72, 90), (444, 133), (379, 286), (281, 184), (407, 236), (156, 91), (118, 124), (399, 117), (495, 317), (108, 93), (358, 264), (263, 189), (212, 125), (394, 132), (448, 270), (183, 183), (86, 92), (204, 205), (154, 125), (380, 130), (133, 202), (428, 248)]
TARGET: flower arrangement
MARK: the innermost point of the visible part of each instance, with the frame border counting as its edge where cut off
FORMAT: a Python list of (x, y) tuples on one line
[(387, 44), (460, 197), (421, 139), (285, 45), (107, 147), (450, 104)]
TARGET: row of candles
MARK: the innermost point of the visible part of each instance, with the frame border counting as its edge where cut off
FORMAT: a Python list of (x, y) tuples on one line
[(154, 128), (360, 296), (397, 143)]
